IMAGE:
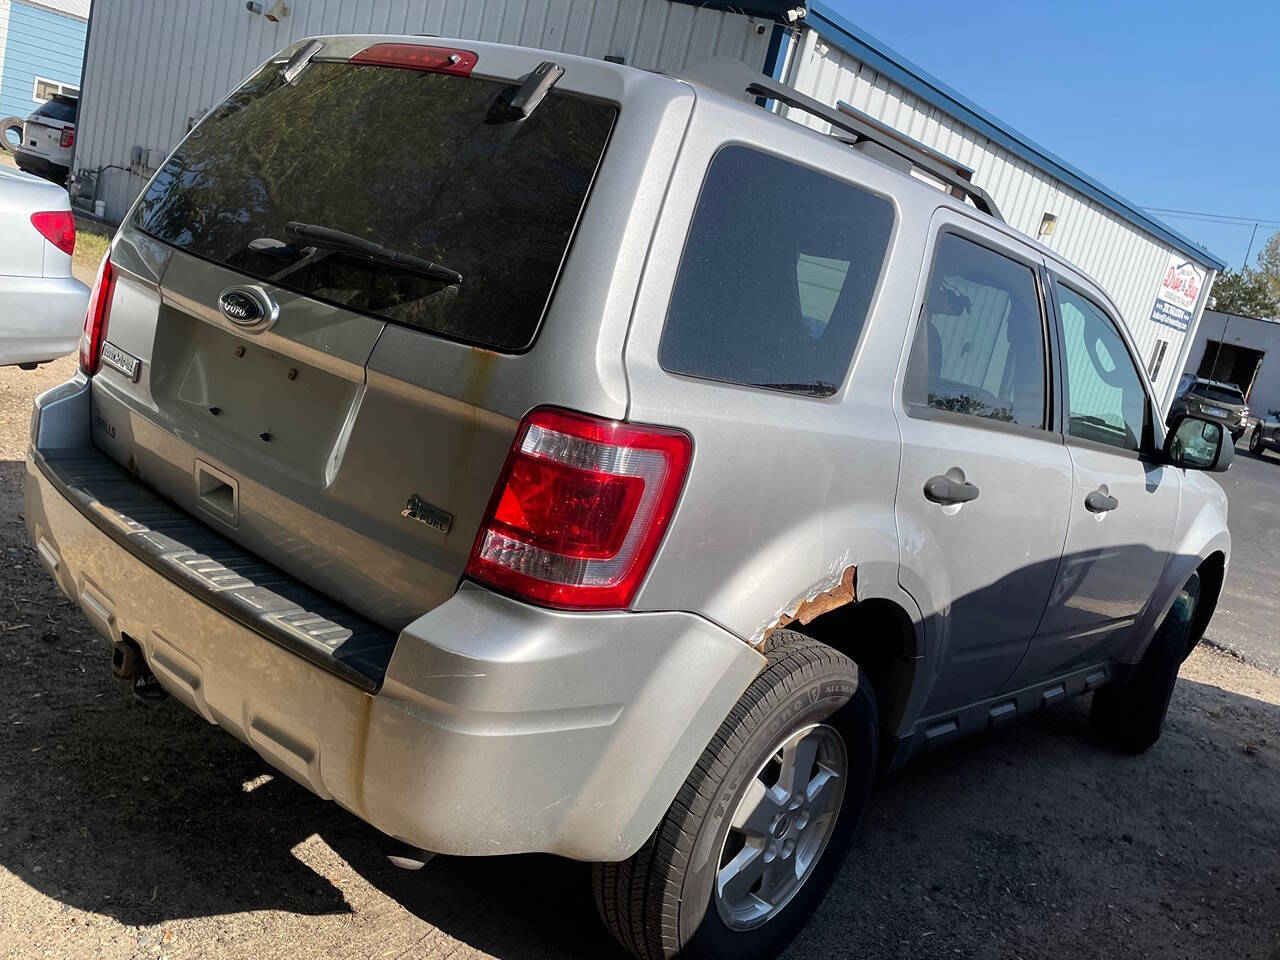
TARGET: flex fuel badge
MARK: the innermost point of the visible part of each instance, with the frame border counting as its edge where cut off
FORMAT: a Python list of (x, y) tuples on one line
[(418, 509)]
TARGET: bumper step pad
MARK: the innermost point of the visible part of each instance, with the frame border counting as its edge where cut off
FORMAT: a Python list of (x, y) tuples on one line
[(220, 572)]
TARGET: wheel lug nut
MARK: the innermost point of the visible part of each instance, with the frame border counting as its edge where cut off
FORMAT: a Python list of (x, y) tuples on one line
[(788, 848)]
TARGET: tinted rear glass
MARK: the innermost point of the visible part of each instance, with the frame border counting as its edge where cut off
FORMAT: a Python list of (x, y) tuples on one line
[(57, 109), (777, 276), (1221, 394), (417, 162)]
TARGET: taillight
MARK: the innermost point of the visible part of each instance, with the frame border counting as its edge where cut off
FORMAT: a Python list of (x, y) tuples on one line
[(68, 137), (58, 227), (580, 510), (415, 56), (95, 318)]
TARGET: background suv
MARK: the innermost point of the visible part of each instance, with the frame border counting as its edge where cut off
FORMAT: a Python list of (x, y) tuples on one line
[(1212, 400), (47, 138)]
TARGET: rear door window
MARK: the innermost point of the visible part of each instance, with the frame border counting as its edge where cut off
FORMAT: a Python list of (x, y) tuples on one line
[(426, 164), (777, 275), (979, 348)]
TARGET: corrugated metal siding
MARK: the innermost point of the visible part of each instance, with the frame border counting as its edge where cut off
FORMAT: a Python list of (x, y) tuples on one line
[(1126, 261), (154, 65), (40, 43)]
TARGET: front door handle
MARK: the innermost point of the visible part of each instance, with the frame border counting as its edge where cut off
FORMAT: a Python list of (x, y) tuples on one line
[(946, 491), (1099, 502)]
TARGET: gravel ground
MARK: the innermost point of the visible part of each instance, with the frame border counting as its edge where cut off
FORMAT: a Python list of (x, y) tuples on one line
[(140, 831)]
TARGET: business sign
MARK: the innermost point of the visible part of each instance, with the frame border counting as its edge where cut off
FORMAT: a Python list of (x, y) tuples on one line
[(1179, 290)]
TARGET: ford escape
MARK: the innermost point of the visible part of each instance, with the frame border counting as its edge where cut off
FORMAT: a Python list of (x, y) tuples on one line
[(575, 459)]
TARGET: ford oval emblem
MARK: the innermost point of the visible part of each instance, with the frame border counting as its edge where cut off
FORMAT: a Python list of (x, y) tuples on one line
[(246, 306)]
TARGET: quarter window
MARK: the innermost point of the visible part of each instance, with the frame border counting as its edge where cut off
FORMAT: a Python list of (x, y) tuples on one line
[(777, 275), (1105, 399), (979, 347)]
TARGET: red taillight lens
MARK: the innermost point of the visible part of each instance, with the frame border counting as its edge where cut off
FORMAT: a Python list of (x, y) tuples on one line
[(58, 227), (68, 137), (580, 509), (95, 318), (415, 56)]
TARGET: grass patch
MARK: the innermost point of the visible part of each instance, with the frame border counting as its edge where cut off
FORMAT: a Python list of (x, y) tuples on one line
[(90, 247)]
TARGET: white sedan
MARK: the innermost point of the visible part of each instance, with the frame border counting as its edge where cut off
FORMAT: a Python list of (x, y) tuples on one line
[(42, 306)]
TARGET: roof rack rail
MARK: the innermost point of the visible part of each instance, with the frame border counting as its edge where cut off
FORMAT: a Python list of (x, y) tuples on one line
[(737, 79)]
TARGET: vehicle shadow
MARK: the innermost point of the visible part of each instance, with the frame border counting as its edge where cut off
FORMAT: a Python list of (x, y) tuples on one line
[(148, 815)]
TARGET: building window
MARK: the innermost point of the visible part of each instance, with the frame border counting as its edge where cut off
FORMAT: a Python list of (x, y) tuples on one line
[(47, 89), (1157, 358)]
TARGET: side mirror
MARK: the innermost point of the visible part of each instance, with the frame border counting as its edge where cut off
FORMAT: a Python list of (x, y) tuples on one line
[(1196, 444)]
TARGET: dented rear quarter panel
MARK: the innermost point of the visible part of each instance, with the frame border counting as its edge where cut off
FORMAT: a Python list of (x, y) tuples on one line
[(789, 505)]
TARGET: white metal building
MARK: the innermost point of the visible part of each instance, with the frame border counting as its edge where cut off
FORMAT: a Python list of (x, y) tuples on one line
[(155, 66)]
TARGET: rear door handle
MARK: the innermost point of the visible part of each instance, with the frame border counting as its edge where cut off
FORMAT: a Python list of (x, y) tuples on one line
[(946, 491), (1099, 502)]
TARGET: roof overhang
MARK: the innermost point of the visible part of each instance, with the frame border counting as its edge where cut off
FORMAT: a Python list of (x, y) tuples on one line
[(840, 33), (775, 10)]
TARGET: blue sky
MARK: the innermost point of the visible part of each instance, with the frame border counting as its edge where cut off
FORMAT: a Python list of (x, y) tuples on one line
[(1172, 104)]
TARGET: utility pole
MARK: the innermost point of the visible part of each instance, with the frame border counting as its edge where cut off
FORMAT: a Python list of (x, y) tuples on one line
[(1252, 237)]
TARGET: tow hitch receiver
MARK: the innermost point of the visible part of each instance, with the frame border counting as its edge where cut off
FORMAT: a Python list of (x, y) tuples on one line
[(127, 663)]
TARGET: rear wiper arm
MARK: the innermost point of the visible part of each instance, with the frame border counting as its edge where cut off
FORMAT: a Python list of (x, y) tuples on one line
[(818, 388), (314, 235), (535, 88)]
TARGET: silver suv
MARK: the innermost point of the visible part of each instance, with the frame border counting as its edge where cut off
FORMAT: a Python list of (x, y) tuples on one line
[(553, 456)]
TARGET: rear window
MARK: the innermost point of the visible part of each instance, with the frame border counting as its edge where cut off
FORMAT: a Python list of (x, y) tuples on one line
[(421, 163), (59, 108), (1221, 394), (777, 276)]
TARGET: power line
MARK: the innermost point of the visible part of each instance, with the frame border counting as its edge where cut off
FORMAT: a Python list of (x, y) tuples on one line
[(1216, 217)]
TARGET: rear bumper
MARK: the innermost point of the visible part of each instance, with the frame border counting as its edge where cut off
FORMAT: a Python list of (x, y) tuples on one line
[(40, 166), (1232, 421), (499, 727), (41, 318)]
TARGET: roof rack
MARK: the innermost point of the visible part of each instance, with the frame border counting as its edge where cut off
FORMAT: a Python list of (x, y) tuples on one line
[(737, 79)]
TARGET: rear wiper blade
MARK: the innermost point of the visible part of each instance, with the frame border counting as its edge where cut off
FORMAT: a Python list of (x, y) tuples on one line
[(314, 235), (818, 388)]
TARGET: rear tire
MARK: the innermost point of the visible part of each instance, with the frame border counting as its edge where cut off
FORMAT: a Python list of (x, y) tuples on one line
[(1255, 441), (692, 891), (1130, 718)]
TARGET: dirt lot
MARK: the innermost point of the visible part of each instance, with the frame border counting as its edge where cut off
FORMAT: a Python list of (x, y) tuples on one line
[(136, 831)]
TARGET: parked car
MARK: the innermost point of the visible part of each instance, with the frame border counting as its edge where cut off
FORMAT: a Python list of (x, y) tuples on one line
[(608, 467), (47, 138), (1265, 435), (1212, 400), (42, 307)]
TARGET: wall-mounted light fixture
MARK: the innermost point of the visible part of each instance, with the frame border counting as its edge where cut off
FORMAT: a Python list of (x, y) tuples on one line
[(1047, 224), (276, 12)]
